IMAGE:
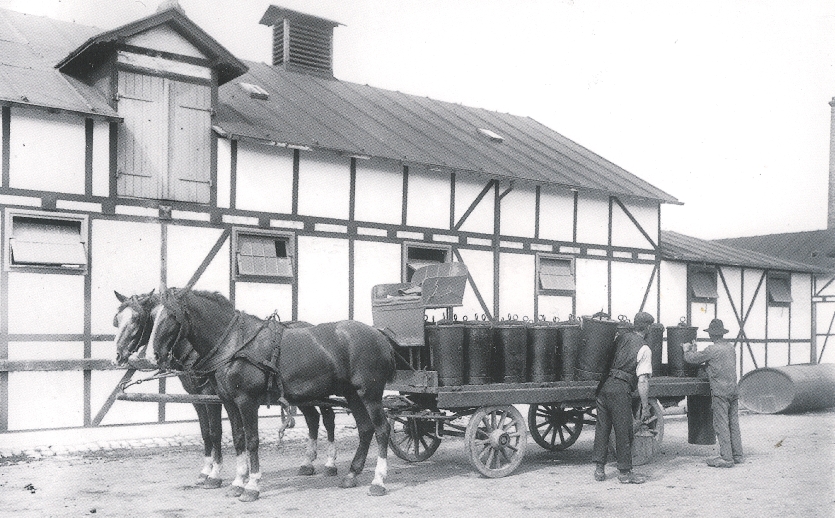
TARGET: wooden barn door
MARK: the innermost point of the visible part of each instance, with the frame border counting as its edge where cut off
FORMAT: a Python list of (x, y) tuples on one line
[(191, 117)]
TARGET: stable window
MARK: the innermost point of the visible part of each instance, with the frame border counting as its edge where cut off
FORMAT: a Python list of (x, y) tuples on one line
[(46, 241), (779, 290), (418, 255), (554, 274), (703, 284), (263, 255)]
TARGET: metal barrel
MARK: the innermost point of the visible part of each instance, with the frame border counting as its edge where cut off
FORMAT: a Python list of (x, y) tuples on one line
[(478, 349), (543, 351), (793, 388), (598, 342), (446, 343), (511, 352), (676, 337), (570, 339), (655, 341)]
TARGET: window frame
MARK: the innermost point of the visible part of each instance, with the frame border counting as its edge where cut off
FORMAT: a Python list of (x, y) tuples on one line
[(691, 290), (81, 219), (771, 280), (551, 291), (290, 247), (404, 262)]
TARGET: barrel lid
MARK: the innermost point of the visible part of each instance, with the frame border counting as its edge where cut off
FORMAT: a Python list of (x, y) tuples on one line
[(766, 391)]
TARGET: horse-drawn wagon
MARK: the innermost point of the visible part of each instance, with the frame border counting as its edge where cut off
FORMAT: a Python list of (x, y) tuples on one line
[(467, 377)]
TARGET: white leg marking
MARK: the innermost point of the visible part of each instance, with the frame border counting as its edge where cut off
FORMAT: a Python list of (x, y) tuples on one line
[(380, 472), (310, 452), (215, 473), (241, 470), (207, 466), (331, 462), (252, 484)]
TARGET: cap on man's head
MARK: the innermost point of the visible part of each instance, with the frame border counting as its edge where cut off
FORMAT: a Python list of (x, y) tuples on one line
[(716, 327), (643, 318)]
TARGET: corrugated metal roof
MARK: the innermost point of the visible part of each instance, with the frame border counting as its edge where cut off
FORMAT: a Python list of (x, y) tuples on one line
[(815, 247), (30, 46), (678, 247), (359, 119)]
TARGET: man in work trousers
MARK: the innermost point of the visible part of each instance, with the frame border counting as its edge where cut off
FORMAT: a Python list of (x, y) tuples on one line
[(720, 362), (631, 369)]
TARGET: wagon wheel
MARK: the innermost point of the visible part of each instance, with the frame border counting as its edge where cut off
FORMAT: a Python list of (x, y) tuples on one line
[(413, 439), (496, 440), (555, 427)]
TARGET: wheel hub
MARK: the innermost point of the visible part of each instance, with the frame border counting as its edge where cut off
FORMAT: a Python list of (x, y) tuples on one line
[(499, 439)]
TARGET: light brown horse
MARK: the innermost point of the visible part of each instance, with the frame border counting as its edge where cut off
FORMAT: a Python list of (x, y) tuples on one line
[(241, 352)]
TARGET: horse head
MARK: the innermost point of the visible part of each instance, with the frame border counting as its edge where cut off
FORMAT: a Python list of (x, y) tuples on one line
[(133, 322), (171, 327)]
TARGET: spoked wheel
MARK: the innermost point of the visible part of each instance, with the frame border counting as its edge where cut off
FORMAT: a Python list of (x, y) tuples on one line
[(413, 439), (555, 427), (496, 440)]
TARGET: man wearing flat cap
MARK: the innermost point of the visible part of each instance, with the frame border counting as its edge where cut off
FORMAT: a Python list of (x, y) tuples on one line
[(630, 370), (719, 359)]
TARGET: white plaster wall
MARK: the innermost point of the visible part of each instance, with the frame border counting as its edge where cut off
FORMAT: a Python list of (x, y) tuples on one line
[(262, 299), (701, 313), (592, 286), (379, 191), (624, 231), (467, 189), (46, 303), (673, 283), (725, 310), (224, 172), (125, 258), (755, 325), (374, 263), (821, 285), (324, 184), (46, 399), (177, 411), (429, 198), (518, 211), (517, 285), (629, 283), (480, 265), (556, 214), (264, 178), (47, 151), (778, 322), (102, 384), (778, 354), (323, 279), (166, 39), (801, 322), (47, 350), (592, 219), (187, 248), (101, 158), (551, 306)]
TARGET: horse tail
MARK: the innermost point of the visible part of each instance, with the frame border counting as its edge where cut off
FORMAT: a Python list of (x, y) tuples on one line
[(392, 353)]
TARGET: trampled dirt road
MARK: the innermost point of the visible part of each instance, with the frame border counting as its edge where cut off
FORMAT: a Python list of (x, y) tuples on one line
[(789, 471)]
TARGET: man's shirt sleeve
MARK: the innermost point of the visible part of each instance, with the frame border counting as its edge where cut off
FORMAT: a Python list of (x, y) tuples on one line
[(644, 361)]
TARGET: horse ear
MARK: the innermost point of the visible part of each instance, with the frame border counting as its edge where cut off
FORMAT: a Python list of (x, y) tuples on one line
[(119, 296)]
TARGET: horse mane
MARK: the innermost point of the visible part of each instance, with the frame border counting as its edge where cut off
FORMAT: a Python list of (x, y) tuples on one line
[(172, 300)]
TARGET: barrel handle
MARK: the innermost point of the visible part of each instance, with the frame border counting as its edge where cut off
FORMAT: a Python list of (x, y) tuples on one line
[(464, 318)]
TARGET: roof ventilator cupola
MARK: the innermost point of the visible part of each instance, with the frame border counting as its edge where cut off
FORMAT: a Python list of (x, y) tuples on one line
[(301, 42)]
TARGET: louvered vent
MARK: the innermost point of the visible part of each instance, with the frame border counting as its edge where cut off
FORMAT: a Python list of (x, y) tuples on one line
[(301, 42)]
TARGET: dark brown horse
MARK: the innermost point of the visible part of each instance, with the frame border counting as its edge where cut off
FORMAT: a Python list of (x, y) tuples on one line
[(242, 353), (135, 322)]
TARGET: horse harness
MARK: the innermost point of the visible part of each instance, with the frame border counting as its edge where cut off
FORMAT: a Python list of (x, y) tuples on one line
[(204, 365)]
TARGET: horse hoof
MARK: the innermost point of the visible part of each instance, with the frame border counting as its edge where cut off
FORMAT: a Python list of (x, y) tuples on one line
[(348, 482), (212, 483), (201, 478), (330, 471), (249, 495), (235, 491), (306, 470), (375, 490)]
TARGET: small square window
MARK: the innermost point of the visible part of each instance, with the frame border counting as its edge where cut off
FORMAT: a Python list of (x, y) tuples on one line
[(265, 255), (416, 256), (703, 284), (555, 274), (779, 290), (38, 240)]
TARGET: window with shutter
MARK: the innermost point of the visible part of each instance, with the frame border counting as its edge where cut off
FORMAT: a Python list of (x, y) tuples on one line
[(45, 241), (779, 290), (263, 255), (703, 284), (555, 275), (418, 255)]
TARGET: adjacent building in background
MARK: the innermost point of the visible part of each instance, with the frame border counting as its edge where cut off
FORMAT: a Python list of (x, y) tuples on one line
[(148, 156)]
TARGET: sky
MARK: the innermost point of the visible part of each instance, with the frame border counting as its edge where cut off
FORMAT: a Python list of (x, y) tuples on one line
[(722, 104)]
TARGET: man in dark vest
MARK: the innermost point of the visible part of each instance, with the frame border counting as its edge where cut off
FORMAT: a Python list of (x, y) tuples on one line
[(630, 370), (719, 359)]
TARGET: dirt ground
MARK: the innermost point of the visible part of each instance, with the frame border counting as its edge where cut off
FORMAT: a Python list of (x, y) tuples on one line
[(789, 471)]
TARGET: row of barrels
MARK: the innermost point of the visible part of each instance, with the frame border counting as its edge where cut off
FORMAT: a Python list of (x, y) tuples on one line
[(512, 351)]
